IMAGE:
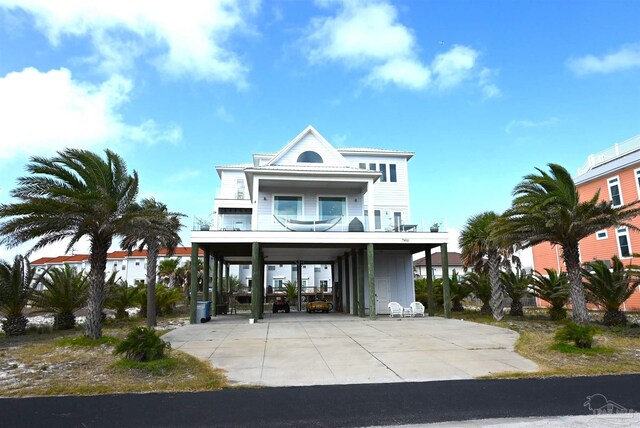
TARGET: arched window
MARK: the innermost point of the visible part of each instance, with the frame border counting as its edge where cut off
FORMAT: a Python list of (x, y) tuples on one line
[(310, 157)]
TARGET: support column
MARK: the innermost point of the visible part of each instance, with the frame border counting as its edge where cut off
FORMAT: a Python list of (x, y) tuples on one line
[(347, 285), (214, 286), (220, 285), (431, 301), (226, 268), (339, 261), (255, 281), (361, 274), (446, 293), (205, 279), (354, 281), (193, 292), (262, 291), (299, 284), (372, 282)]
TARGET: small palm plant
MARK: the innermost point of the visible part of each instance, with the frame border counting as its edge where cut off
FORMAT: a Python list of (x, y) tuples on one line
[(120, 297), (142, 344), (610, 288), (516, 286), (291, 289), (166, 299), (553, 288), (459, 290), (17, 285), (65, 291), (480, 287)]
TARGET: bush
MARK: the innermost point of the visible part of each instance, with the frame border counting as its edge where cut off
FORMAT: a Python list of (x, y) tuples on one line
[(580, 335), (142, 344)]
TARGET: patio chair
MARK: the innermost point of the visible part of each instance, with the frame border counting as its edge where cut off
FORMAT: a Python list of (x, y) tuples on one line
[(417, 308), (395, 309)]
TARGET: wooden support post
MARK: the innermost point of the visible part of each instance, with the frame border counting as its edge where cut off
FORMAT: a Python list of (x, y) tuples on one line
[(255, 281), (193, 292), (446, 292), (361, 275), (299, 284), (220, 286), (262, 291), (205, 276), (354, 281), (431, 301), (347, 284), (339, 261), (214, 287), (372, 282)]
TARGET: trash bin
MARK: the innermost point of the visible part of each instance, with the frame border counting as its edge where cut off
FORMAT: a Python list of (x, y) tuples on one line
[(203, 312)]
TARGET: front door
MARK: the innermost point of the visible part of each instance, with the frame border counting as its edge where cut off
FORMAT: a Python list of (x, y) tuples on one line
[(382, 295)]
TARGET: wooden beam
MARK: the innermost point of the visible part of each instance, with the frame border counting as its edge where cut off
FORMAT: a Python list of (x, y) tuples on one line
[(372, 282), (431, 301), (361, 275), (446, 293), (205, 276), (255, 281), (193, 305)]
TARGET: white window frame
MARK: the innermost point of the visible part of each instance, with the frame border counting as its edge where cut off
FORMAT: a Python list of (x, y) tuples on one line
[(636, 175), (619, 232), (346, 204), (273, 203), (615, 181), (606, 235)]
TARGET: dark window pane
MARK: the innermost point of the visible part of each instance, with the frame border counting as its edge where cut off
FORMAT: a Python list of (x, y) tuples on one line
[(372, 167), (615, 195), (363, 166), (383, 170), (624, 246), (392, 173), (309, 157), (378, 219)]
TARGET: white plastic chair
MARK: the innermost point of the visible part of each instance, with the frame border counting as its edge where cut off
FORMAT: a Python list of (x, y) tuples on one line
[(417, 308), (395, 309)]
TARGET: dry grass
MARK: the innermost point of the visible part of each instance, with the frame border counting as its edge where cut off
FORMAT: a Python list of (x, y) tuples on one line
[(617, 350), (47, 365)]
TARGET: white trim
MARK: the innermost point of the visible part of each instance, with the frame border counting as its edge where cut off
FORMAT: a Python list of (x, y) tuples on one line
[(346, 204), (615, 181), (293, 195), (606, 235), (636, 177), (625, 231)]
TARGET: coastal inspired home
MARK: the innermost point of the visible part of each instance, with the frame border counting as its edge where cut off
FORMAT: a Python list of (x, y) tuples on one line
[(343, 211), (615, 173)]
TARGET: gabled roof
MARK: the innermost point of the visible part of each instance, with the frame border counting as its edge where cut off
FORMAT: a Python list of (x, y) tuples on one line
[(455, 259), (325, 145), (114, 255), (374, 152)]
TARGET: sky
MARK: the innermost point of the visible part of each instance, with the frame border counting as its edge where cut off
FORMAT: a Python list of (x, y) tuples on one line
[(482, 91)]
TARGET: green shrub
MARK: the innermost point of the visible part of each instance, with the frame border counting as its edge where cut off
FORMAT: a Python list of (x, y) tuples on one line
[(580, 335), (142, 344)]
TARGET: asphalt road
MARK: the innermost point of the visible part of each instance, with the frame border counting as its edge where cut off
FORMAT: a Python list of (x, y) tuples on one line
[(340, 405)]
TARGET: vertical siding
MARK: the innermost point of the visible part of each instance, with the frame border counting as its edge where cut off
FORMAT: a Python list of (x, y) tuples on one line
[(310, 143), (397, 266)]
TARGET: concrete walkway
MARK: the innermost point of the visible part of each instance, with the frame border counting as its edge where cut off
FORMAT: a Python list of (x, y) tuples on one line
[(298, 349)]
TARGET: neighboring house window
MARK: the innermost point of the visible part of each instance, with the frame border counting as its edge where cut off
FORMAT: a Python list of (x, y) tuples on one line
[(316, 269), (392, 173), (378, 219), (123, 267), (397, 220), (325, 266), (294, 268), (246, 266), (372, 167), (614, 191), (363, 165), (277, 284), (623, 242), (310, 157), (137, 263), (324, 284), (601, 234), (383, 170), (332, 207), (287, 206), (249, 283), (271, 267)]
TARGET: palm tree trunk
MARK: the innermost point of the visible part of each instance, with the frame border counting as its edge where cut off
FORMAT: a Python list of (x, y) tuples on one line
[(98, 260), (152, 260), (571, 257), (496, 290)]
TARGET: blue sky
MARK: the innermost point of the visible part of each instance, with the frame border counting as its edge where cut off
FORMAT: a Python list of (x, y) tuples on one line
[(482, 91)]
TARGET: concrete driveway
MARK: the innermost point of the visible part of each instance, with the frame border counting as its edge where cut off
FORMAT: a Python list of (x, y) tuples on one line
[(321, 349)]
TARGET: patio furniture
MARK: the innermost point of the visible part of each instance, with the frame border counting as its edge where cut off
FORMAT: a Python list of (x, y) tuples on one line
[(417, 308), (407, 312), (395, 309)]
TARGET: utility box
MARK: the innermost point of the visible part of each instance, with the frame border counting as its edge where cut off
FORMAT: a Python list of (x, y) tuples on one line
[(203, 312)]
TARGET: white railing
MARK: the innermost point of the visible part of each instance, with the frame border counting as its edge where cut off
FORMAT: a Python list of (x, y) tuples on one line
[(612, 152)]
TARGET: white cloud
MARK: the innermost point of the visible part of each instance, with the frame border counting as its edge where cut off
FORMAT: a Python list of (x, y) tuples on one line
[(178, 39), (185, 175), (366, 34), (530, 124), (625, 58), (489, 90), (224, 115), (47, 111)]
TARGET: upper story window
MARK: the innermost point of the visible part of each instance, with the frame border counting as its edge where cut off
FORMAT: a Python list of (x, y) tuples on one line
[(378, 219), (372, 167), (362, 165), (392, 173), (614, 191), (624, 244), (330, 207), (637, 175), (601, 234), (383, 170), (310, 157), (271, 267), (287, 206)]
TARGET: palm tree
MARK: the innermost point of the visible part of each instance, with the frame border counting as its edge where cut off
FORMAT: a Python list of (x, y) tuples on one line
[(73, 195), (611, 288), (516, 285), (17, 285), (162, 232), (553, 288), (168, 268), (484, 252), (459, 291), (480, 287), (65, 291), (120, 297), (547, 208)]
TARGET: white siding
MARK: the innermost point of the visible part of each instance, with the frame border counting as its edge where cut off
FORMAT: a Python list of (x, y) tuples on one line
[(309, 142), (229, 184), (396, 265)]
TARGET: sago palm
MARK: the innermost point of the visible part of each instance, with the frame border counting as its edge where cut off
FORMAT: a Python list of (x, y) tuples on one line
[(17, 285), (161, 232), (65, 291), (553, 288), (168, 268), (516, 286), (73, 195), (121, 297), (480, 287), (481, 250), (459, 290), (610, 287), (547, 208)]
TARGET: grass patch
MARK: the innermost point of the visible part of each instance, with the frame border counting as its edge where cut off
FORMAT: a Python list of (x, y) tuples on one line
[(160, 367), (85, 341), (572, 349)]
